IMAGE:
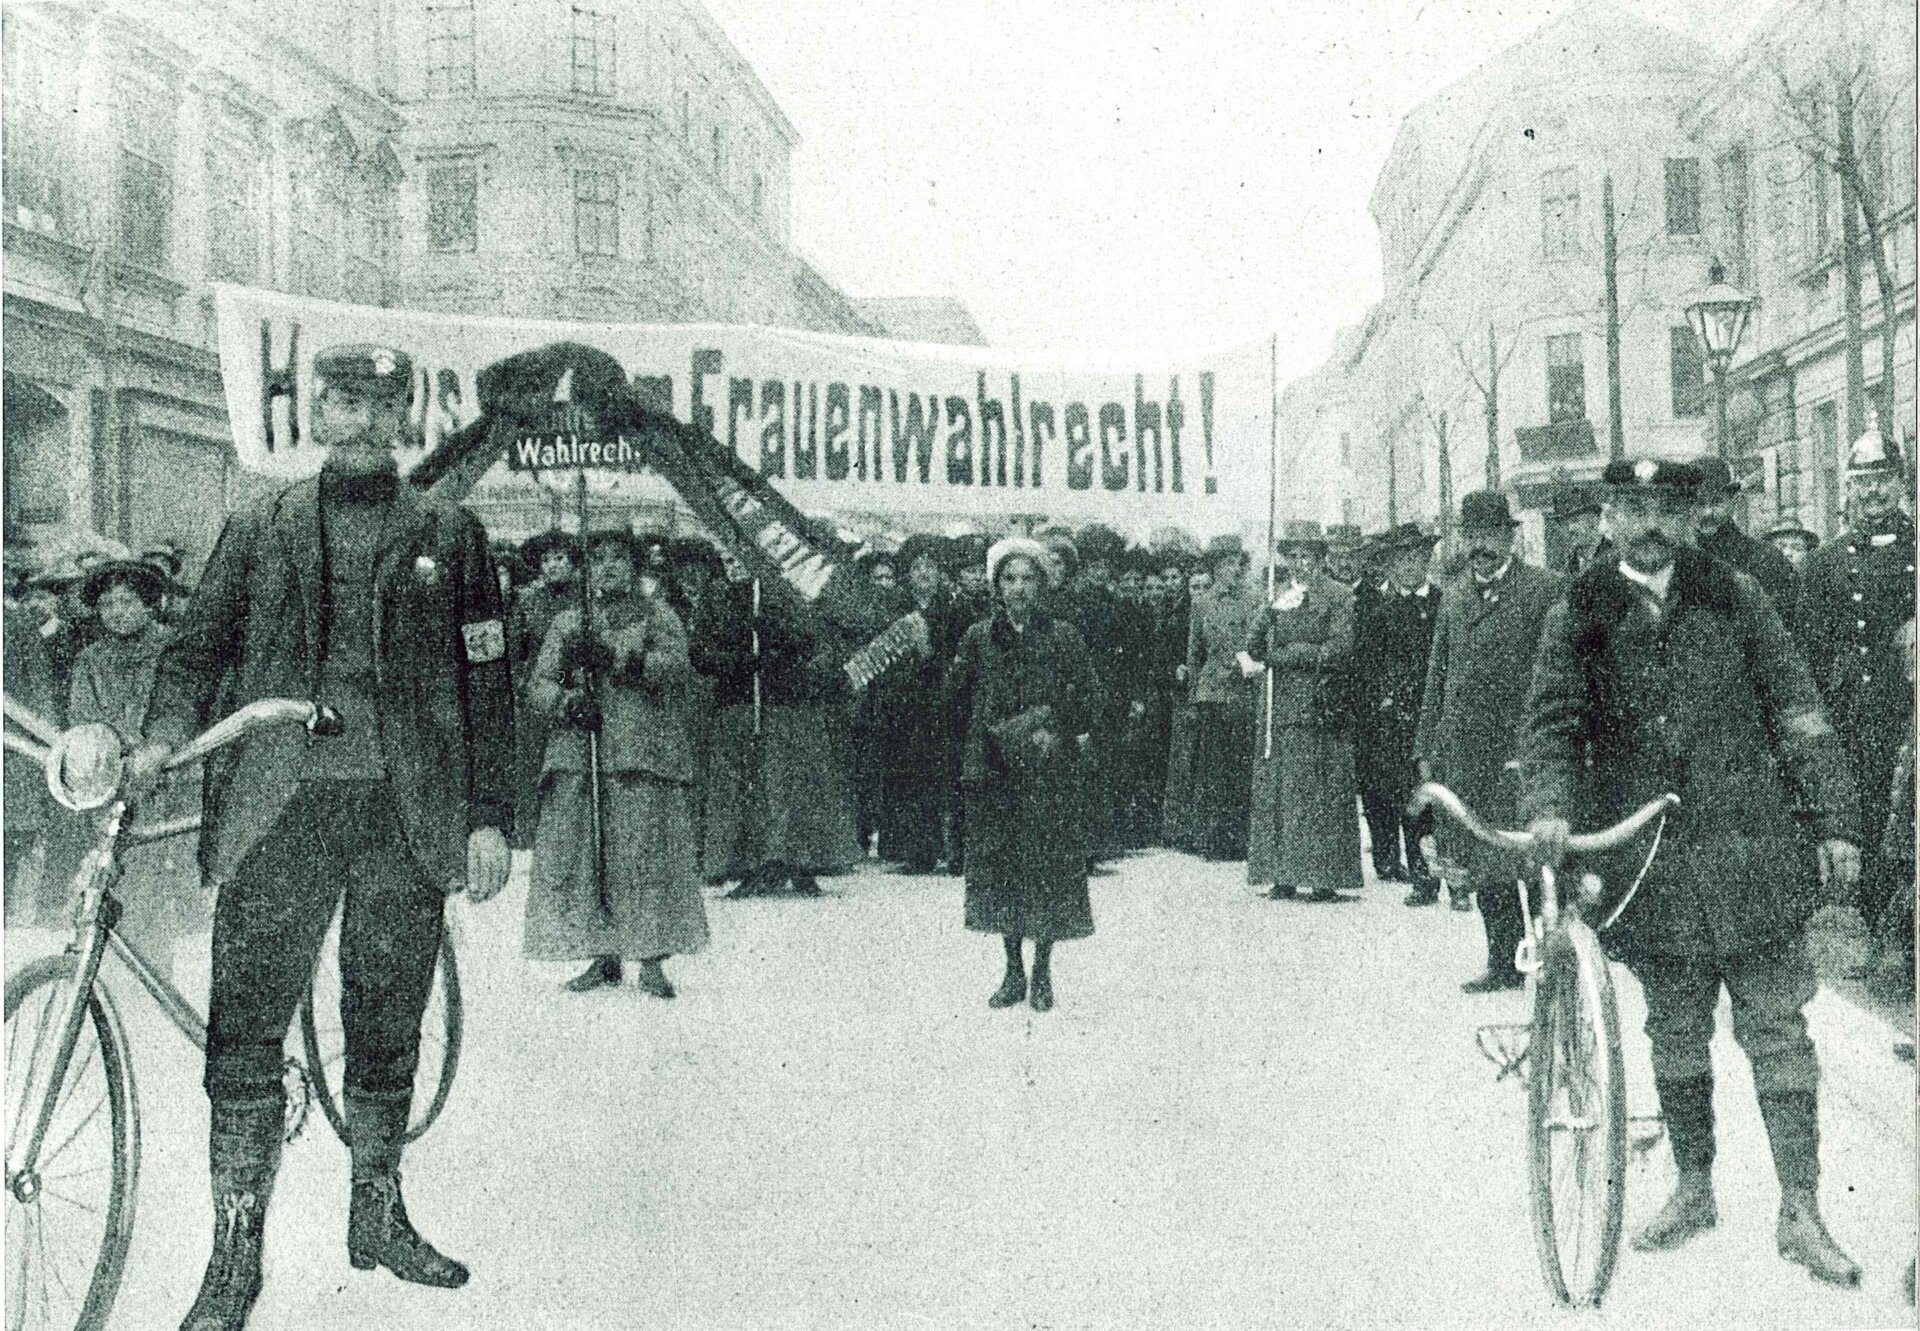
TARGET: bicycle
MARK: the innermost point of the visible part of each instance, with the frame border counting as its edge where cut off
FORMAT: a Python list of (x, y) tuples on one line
[(1575, 1072), (72, 1100)]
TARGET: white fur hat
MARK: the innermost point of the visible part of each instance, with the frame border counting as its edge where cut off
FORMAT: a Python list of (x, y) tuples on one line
[(1024, 546)]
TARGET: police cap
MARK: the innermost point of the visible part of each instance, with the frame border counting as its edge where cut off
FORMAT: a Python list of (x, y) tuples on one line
[(1681, 479), (366, 367)]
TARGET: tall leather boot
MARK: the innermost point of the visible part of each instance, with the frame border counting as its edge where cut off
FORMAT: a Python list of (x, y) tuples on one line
[(243, 1155), (1793, 1131), (378, 1231), (1687, 1107)]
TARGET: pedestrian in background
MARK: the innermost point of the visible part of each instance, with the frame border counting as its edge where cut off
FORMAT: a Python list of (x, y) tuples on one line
[(554, 557), (1224, 704), (1025, 771), (159, 883), (916, 769), (648, 905), (1471, 710), (1718, 535), (1304, 833), (1392, 641), (1179, 822), (1857, 593)]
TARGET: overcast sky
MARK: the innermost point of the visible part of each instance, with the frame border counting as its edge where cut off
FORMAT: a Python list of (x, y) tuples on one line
[(1121, 175)]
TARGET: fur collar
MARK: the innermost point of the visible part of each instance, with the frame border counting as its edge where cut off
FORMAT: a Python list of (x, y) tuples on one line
[(1601, 596)]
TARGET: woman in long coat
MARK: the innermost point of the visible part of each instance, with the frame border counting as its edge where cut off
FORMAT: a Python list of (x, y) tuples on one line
[(779, 807), (111, 680), (1025, 773), (1304, 831), (652, 906), (916, 738)]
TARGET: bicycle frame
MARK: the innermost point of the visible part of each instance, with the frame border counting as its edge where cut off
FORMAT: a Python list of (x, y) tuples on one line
[(96, 913)]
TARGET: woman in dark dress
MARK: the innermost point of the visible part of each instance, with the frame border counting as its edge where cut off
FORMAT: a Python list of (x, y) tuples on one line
[(916, 746), (1025, 772)]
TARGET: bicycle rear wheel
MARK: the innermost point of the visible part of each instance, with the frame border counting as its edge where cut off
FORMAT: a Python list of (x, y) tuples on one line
[(1577, 1117), (325, 1039), (69, 1218)]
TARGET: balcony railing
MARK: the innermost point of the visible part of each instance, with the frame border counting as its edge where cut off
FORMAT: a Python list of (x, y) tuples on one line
[(1567, 441)]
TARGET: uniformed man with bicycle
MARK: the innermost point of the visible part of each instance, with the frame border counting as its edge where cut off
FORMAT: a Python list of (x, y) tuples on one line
[(355, 591), (1665, 670)]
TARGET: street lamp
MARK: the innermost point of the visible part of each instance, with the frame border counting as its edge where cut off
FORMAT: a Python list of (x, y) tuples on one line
[(1719, 317)]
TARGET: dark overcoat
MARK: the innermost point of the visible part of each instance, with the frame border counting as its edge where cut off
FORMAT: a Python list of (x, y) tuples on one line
[(1027, 833), (1304, 831), (1708, 700), (443, 693), (1473, 704), (1759, 561)]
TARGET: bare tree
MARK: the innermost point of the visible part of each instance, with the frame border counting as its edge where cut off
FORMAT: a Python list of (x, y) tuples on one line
[(1834, 104), (1485, 378)]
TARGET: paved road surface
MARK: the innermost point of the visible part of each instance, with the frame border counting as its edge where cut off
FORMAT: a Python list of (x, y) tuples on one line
[(1242, 1114)]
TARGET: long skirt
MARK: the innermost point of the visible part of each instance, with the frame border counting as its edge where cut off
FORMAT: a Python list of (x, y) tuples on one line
[(653, 904), (1222, 779), (779, 797), (1304, 830), (1027, 859), (1176, 818)]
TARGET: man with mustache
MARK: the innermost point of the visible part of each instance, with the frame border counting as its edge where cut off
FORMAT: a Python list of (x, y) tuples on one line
[(1470, 713), (1669, 671), (1857, 592), (353, 590)]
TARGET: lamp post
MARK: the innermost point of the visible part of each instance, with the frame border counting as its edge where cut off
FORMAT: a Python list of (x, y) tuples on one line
[(1719, 316)]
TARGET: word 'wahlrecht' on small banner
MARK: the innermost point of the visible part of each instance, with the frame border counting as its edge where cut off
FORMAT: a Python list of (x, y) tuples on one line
[(836, 423)]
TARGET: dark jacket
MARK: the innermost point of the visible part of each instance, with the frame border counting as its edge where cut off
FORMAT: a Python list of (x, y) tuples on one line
[(1710, 701), (1759, 561), (1003, 673), (443, 696), (1392, 641), (1308, 648), (794, 664), (1854, 597), (1473, 704)]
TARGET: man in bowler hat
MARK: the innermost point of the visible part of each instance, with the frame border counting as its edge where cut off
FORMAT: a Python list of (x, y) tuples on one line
[(1717, 534), (1471, 710), (355, 591)]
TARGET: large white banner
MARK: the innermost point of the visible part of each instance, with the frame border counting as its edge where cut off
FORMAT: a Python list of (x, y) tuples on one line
[(837, 423)]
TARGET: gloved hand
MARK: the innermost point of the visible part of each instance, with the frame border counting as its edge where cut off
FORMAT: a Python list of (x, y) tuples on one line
[(581, 651), (1838, 944), (583, 713)]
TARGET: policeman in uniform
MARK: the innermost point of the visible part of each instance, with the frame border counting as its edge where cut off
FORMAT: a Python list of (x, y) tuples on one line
[(1669, 671), (354, 590), (1392, 638), (1856, 593)]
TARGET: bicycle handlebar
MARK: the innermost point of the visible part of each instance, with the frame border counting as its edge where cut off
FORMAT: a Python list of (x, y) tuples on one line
[(255, 715), (1583, 843)]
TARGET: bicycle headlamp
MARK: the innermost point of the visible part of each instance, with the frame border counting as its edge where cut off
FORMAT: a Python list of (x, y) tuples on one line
[(86, 767)]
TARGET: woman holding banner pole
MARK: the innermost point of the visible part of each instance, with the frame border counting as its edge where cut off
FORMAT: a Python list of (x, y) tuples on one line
[(649, 906)]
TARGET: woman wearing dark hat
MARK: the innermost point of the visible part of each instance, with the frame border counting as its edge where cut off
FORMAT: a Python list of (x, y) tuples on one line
[(1024, 773), (552, 561), (1304, 834), (779, 806), (916, 747), (1223, 705), (111, 681), (650, 905)]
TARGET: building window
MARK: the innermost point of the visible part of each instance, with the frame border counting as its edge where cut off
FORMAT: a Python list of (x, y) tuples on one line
[(596, 213), (449, 50), (1734, 201), (1683, 196), (453, 208), (38, 113), (370, 246), (234, 172), (147, 109), (1566, 380), (1689, 372), (1560, 213), (593, 53)]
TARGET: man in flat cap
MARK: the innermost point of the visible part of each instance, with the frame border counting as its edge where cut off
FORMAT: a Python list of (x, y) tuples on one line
[(356, 591), (1717, 534), (1669, 671)]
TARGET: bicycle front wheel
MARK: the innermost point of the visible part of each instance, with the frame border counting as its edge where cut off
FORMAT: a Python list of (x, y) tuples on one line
[(1577, 1117), (325, 1039), (70, 1214)]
